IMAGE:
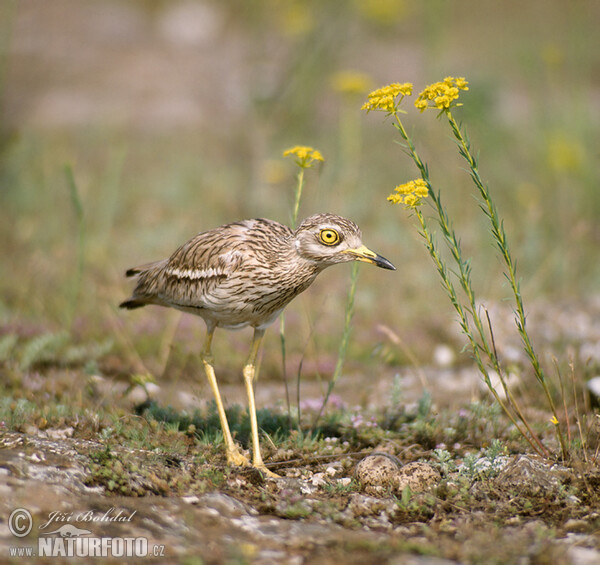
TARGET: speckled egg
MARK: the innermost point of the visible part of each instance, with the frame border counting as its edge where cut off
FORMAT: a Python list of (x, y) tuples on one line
[(418, 476), (377, 470)]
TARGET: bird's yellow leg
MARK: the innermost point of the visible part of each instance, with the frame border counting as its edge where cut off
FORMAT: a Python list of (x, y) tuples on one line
[(249, 375), (234, 457)]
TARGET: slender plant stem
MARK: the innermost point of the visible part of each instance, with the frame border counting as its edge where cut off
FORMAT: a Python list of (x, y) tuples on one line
[(284, 368), (455, 249), (295, 211), (464, 323), (499, 234), (78, 207), (349, 313), (453, 245), (464, 275), (299, 187)]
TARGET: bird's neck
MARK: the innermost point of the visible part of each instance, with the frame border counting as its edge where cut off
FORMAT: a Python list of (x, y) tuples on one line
[(299, 270)]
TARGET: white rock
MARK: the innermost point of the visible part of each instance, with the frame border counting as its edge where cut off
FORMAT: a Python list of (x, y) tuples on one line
[(583, 556), (593, 385), (444, 356), (60, 434)]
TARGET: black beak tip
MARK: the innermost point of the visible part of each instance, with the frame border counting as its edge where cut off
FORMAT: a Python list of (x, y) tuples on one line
[(384, 263)]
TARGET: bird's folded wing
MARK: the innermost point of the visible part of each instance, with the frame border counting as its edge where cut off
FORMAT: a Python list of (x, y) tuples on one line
[(198, 268)]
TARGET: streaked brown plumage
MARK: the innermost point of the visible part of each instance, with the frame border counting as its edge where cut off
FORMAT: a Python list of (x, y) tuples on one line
[(244, 274)]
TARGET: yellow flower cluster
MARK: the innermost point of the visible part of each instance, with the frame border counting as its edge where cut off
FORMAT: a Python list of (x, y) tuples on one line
[(441, 95), (306, 156), (385, 98), (409, 193)]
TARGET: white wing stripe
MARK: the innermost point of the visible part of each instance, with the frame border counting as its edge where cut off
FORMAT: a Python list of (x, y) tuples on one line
[(195, 274)]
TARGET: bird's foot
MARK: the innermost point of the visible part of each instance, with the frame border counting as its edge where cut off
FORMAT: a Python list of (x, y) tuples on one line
[(269, 474), (234, 457)]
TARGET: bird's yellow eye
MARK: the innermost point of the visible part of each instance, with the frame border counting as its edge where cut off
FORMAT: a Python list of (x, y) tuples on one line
[(329, 237)]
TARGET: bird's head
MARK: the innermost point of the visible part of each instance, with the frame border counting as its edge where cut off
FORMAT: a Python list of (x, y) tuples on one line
[(328, 239)]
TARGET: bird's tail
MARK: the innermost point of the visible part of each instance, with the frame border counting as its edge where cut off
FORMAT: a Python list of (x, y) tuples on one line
[(132, 304), (143, 294)]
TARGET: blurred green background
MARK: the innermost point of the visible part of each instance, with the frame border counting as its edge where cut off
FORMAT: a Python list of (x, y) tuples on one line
[(173, 116)]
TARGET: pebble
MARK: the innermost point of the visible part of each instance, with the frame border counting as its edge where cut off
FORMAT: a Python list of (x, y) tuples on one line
[(529, 476), (444, 356), (62, 433), (318, 480), (593, 385), (582, 556), (576, 526)]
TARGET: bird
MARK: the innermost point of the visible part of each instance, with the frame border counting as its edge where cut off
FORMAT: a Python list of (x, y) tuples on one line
[(244, 274)]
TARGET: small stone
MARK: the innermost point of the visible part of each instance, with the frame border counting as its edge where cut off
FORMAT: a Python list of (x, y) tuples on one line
[(527, 475), (225, 505), (514, 521), (361, 505), (318, 480), (417, 476), (582, 556), (140, 394), (377, 470), (444, 356), (305, 488), (62, 433), (576, 526), (593, 385)]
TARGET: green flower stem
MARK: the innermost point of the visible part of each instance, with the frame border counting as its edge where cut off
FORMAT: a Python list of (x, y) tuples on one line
[(464, 271), (465, 279), (475, 346), (453, 245), (299, 187), (499, 235), (284, 367), (295, 211), (349, 313)]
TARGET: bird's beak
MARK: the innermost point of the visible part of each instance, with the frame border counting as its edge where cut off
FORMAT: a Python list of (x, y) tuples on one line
[(364, 254)]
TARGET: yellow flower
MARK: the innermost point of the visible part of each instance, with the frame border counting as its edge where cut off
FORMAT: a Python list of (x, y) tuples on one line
[(554, 421), (442, 102), (385, 98), (306, 156), (443, 94), (409, 193), (351, 82), (461, 83)]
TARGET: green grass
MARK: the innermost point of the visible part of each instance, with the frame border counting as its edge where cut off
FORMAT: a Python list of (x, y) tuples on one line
[(207, 427), (134, 194)]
